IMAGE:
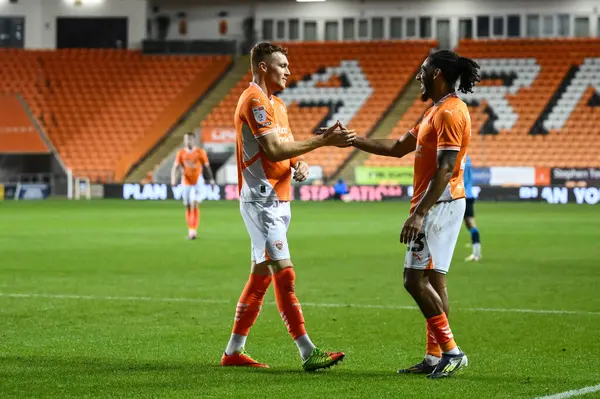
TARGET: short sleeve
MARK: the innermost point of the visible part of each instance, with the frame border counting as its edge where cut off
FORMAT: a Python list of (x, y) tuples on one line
[(178, 159), (450, 130), (415, 130), (203, 157), (259, 116)]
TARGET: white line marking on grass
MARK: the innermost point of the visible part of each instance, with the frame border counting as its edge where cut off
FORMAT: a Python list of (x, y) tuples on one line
[(114, 298), (310, 304), (574, 392)]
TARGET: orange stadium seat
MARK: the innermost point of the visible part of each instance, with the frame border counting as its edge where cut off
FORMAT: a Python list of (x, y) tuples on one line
[(575, 144), (387, 67), (101, 108)]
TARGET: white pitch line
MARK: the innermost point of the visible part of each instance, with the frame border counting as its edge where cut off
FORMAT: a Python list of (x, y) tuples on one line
[(574, 392), (113, 298), (310, 304)]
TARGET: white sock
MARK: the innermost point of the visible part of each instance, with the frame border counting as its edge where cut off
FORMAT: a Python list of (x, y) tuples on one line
[(454, 351), (477, 250), (236, 344), (305, 346), (432, 360)]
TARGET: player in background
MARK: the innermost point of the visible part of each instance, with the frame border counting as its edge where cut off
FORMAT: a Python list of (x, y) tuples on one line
[(437, 208), (266, 154), (470, 214), (192, 160)]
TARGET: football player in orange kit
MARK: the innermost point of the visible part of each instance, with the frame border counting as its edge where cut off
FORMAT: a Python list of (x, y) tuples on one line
[(440, 143), (266, 154), (192, 160)]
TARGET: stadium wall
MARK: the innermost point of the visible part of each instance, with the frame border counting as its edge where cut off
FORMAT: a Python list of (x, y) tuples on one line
[(40, 17), (362, 193), (203, 21)]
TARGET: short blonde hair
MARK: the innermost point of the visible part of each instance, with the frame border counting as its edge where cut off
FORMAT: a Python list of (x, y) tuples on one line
[(261, 51)]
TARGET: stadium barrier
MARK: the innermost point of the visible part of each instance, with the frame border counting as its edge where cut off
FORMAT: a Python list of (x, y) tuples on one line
[(572, 176), (366, 193), (492, 176), (24, 191)]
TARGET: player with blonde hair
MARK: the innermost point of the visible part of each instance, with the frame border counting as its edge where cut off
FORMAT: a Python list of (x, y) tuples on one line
[(266, 154)]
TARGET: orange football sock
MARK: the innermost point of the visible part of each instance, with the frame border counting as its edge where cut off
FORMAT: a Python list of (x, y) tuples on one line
[(188, 218), (289, 307), (250, 302), (432, 348), (441, 331), (195, 218)]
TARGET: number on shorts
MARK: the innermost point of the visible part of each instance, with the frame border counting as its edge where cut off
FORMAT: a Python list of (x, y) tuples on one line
[(420, 244)]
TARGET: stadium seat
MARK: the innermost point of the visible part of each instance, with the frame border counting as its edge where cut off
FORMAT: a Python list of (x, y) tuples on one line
[(523, 101), (97, 106)]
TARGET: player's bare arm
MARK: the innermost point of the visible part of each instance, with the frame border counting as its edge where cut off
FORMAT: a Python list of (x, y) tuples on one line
[(174, 171), (276, 151), (209, 172), (387, 147), (446, 161)]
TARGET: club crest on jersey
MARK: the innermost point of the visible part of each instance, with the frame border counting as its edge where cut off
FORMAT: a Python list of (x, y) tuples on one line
[(260, 113), (419, 151), (278, 245)]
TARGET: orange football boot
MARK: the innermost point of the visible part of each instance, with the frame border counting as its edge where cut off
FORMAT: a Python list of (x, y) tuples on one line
[(241, 359)]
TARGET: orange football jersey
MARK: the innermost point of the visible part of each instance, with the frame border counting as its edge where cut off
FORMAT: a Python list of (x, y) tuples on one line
[(192, 162), (445, 126), (256, 115)]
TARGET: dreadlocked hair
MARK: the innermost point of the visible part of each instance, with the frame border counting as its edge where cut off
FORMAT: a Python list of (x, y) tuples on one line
[(456, 68)]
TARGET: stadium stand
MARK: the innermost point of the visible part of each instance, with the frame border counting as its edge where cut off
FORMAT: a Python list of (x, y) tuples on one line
[(105, 109), (538, 98), (356, 82)]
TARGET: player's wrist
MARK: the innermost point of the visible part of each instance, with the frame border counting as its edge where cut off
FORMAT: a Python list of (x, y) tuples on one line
[(420, 212), (320, 141)]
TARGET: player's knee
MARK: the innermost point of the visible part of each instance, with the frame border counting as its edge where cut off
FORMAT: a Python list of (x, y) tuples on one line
[(279, 265), (412, 285), (260, 268)]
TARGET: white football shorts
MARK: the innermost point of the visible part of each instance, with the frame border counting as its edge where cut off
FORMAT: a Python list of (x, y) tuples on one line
[(434, 247), (267, 223), (191, 194)]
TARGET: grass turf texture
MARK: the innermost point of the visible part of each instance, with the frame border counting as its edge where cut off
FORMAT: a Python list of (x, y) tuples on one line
[(157, 310)]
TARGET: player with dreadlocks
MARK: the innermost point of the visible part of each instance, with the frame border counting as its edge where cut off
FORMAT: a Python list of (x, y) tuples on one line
[(440, 141)]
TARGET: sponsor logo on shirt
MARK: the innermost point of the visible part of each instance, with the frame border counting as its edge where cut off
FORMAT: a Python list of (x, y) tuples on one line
[(263, 125)]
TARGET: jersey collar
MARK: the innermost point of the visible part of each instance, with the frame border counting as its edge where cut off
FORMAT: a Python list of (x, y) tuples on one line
[(447, 96), (252, 84)]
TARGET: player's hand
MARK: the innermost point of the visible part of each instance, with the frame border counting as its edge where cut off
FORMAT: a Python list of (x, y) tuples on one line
[(301, 172), (338, 136), (212, 183), (173, 183), (411, 229)]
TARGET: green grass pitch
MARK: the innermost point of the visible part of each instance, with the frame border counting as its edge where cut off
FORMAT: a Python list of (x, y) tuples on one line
[(108, 299)]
